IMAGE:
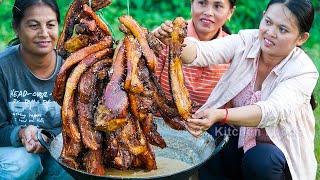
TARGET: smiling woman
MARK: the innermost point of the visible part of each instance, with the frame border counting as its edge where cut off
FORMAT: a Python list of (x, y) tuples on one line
[(38, 35), (28, 70), (207, 23)]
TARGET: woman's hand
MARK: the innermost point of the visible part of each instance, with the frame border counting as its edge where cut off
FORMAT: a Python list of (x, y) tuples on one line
[(163, 31), (29, 139), (202, 121)]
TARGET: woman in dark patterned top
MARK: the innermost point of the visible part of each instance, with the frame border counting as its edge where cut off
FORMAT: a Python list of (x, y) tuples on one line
[(27, 73)]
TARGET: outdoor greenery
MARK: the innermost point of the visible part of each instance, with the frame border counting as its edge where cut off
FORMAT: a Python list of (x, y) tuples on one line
[(151, 13)]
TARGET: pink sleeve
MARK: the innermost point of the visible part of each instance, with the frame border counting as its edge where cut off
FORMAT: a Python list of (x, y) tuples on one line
[(161, 61)]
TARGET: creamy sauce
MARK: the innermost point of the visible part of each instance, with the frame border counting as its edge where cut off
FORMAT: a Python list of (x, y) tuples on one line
[(165, 166)]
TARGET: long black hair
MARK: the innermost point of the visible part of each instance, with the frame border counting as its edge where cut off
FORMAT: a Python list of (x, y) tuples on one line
[(224, 27), (20, 7)]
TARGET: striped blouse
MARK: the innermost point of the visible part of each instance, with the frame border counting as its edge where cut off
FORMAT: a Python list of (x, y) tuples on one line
[(199, 81)]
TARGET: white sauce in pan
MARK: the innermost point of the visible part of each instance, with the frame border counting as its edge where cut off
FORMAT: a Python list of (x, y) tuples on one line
[(165, 166)]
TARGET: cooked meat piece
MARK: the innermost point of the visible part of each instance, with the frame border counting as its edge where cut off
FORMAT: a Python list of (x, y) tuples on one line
[(88, 83), (133, 55), (148, 158), (60, 83), (93, 162), (69, 23), (179, 91), (108, 103), (136, 163), (68, 107), (86, 26), (129, 138), (76, 42), (149, 129), (89, 12), (166, 108), (99, 4), (111, 112), (87, 101), (70, 151), (116, 155), (71, 18), (91, 138), (139, 33)]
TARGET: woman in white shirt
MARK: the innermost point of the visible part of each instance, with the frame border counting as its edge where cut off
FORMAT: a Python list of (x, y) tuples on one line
[(269, 82)]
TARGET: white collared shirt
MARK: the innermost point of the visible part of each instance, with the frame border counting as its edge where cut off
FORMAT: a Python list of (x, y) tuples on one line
[(287, 115)]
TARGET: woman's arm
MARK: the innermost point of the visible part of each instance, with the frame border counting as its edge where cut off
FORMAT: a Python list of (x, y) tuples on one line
[(286, 98), (9, 132), (249, 116), (189, 52), (289, 97)]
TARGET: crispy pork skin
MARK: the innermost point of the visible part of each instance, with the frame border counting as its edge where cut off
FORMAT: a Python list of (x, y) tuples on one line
[(179, 91)]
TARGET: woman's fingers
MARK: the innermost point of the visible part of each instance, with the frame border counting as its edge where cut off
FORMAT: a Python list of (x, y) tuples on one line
[(166, 28), (30, 146), (199, 115), (23, 141), (195, 132), (30, 140), (197, 126), (168, 23), (203, 124), (156, 33), (194, 126), (39, 148), (27, 135), (30, 133), (163, 33)]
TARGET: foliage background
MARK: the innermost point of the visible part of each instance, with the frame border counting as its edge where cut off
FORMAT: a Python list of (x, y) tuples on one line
[(151, 13)]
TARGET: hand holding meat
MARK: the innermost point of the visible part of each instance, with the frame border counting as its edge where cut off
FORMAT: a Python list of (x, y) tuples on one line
[(163, 31), (202, 121)]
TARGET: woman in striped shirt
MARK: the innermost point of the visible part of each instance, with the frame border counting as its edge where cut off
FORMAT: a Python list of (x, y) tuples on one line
[(207, 23)]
